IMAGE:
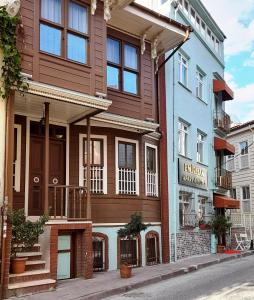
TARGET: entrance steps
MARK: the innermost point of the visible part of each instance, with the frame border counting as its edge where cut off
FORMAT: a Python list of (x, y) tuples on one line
[(36, 277)]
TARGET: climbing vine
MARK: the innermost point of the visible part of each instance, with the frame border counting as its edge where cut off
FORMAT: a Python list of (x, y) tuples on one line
[(11, 69)]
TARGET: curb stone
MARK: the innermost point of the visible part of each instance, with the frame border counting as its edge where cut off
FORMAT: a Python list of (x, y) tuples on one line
[(171, 274)]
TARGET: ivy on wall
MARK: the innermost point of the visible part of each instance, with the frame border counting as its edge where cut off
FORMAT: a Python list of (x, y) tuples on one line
[(11, 69)]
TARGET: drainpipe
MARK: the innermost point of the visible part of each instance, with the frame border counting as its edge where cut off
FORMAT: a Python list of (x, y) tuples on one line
[(161, 111)]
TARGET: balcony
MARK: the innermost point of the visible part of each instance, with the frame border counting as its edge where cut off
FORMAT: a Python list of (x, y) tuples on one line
[(223, 179), (222, 121), (67, 203)]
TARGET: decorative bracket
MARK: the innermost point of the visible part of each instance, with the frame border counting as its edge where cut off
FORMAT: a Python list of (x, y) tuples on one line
[(154, 48), (143, 43), (93, 6), (107, 14)]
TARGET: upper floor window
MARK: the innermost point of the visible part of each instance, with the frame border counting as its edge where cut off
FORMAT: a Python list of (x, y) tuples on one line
[(17, 158), (244, 157), (200, 147), (246, 199), (233, 193), (151, 171), (64, 29), (183, 69), (123, 66), (200, 79), (127, 179), (182, 138), (230, 163)]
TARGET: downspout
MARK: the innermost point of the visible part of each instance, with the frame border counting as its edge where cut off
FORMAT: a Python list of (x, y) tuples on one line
[(161, 111)]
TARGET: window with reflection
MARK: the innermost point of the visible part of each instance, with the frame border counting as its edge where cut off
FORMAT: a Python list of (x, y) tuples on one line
[(64, 29), (123, 66)]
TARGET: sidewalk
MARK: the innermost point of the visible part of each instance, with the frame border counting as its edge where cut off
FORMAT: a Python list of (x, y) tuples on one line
[(109, 283)]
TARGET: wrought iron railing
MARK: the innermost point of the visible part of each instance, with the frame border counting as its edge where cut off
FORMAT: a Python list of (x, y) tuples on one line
[(223, 179), (127, 181), (222, 121), (96, 179), (151, 184), (188, 220), (67, 202)]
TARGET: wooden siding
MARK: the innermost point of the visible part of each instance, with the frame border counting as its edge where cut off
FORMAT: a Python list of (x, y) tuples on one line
[(113, 208), (19, 197), (89, 78)]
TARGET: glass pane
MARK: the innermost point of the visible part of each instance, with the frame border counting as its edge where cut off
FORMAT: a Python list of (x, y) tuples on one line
[(77, 48), (130, 57), (97, 152), (113, 77), (151, 159), (51, 10), (130, 82), (50, 39), (64, 265), (78, 17), (130, 156), (121, 155), (113, 51), (85, 152), (64, 242)]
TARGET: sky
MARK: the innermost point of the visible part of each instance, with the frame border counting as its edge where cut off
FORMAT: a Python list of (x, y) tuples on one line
[(236, 19)]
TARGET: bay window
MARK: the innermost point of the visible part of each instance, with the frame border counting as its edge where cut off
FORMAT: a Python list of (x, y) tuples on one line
[(127, 181), (123, 66), (64, 29)]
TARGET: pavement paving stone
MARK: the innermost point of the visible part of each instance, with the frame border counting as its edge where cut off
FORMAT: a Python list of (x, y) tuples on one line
[(109, 283)]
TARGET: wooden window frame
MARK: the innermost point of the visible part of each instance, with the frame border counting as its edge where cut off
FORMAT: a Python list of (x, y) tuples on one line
[(134, 158), (147, 145), (117, 140), (65, 29), (92, 152), (121, 67)]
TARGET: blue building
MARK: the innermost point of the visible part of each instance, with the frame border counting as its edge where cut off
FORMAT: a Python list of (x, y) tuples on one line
[(196, 129)]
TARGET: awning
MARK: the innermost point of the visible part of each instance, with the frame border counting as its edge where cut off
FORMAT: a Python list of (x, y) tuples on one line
[(220, 201), (223, 145), (141, 22), (221, 86)]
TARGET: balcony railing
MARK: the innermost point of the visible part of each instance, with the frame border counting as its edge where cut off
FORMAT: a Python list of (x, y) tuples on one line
[(67, 202), (222, 121), (151, 184), (223, 179), (96, 179), (188, 220), (127, 181)]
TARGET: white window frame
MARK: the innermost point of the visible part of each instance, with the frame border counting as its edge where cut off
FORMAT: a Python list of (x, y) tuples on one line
[(182, 131), (17, 162), (192, 18), (181, 65), (202, 206), (81, 153), (200, 80), (231, 159), (136, 142), (200, 141), (156, 173), (241, 156), (245, 200)]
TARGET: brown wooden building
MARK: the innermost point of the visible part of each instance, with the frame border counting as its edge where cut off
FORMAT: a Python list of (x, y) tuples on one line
[(90, 115)]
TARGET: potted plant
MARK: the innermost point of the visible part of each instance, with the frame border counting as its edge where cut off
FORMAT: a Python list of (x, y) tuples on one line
[(202, 224), (220, 226), (24, 235), (129, 232)]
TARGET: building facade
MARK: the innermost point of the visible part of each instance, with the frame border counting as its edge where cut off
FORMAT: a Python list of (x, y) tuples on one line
[(196, 124), (241, 166), (85, 138)]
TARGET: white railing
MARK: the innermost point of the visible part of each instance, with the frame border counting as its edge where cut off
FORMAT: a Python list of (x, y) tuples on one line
[(244, 161), (96, 179), (127, 181), (151, 184)]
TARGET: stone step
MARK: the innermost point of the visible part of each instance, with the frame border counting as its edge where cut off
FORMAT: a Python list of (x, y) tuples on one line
[(30, 287), (29, 276), (30, 255), (32, 265)]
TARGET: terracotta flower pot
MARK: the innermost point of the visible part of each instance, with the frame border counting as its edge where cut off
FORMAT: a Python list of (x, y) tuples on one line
[(220, 249), (18, 265), (202, 226), (125, 271)]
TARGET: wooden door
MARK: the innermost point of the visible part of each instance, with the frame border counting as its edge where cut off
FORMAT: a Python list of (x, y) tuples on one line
[(56, 172), (98, 264), (36, 194), (151, 257)]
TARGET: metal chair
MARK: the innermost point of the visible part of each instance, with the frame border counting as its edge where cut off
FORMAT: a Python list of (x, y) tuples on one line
[(240, 244), (245, 241)]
